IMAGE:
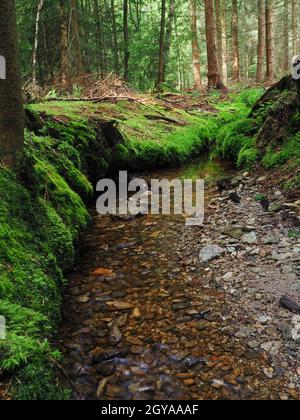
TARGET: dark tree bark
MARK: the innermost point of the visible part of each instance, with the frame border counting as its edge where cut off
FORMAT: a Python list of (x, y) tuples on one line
[(126, 40), (169, 30), (11, 107), (75, 31), (213, 75), (260, 73), (161, 66), (195, 45), (36, 42), (115, 38), (270, 41), (100, 54), (235, 43), (64, 44)]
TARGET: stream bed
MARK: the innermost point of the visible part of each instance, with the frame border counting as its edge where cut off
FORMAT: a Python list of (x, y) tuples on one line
[(142, 320)]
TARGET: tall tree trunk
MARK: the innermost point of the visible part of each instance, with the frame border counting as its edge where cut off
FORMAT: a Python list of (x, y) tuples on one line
[(75, 30), (221, 38), (126, 40), (64, 44), (195, 45), (286, 41), (213, 74), (295, 36), (115, 38), (11, 107), (235, 43), (100, 54), (260, 73), (36, 42), (161, 67), (169, 31), (270, 40)]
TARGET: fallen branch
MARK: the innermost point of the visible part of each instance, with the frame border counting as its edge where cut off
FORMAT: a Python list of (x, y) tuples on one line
[(289, 304), (167, 119), (61, 368)]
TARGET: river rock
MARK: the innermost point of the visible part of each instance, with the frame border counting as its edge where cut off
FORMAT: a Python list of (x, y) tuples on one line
[(275, 207), (264, 320), (271, 347), (211, 252), (296, 328), (250, 238)]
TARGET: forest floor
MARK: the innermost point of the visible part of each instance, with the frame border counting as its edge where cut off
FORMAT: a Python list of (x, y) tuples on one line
[(155, 321)]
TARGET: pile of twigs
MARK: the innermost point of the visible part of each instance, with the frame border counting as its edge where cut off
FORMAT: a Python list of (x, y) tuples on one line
[(107, 86)]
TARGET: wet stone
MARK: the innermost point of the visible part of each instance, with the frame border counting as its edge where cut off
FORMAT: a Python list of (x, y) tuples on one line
[(109, 354)]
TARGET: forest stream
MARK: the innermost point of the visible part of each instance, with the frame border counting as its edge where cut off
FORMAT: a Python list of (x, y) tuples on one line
[(155, 323)]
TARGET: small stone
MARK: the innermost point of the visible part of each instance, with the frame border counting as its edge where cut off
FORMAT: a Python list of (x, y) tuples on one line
[(296, 328), (275, 207), (189, 382), (115, 334), (105, 355), (119, 306), (253, 345), (264, 320), (269, 373), (286, 331), (244, 332), (136, 313), (228, 276), (249, 238), (211, 252), (271, 240), (271, 347), (83, 299)]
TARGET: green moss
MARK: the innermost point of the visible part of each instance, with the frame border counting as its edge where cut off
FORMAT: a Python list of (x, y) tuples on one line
[(42, 214)]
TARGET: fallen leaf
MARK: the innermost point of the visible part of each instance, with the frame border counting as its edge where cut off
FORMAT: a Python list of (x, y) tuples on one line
[(102, 272), (101, 388), (121, 306), (136, 313)]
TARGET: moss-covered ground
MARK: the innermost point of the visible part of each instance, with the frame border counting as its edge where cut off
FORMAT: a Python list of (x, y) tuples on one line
[(43, 206)]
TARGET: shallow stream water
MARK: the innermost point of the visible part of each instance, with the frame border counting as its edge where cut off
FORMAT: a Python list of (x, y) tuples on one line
[(146, 326)]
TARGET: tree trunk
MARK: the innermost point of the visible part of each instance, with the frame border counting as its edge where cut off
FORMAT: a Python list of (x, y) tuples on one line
[(115, 38), (64, 44), (100, 55), (260, 73), (213, 74), (221, 38), (195, 45), (295, 37), (270, 41), (36, 42), (286, 42), (161, 66), (75, 29), (126, 40), (11, 107), (235, 43), (169, 31)]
